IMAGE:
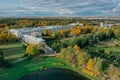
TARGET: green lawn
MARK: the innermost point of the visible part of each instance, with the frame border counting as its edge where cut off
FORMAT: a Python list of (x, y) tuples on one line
[(34, 65), (109, 45), (12, 51), (26, 67)]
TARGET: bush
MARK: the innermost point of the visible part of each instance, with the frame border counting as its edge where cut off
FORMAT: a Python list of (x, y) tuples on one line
[(57, 64)]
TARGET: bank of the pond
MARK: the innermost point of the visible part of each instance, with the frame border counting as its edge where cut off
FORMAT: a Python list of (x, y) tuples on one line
[(54, 74)]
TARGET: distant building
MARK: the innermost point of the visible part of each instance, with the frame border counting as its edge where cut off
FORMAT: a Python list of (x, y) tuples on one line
[(106, 25), (74, 24), (101, 24)]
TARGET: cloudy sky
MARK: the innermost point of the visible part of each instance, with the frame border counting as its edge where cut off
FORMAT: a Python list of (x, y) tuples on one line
[(9, 8)]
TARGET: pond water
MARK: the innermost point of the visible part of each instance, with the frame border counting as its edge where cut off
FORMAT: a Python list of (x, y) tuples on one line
[(54, 74)]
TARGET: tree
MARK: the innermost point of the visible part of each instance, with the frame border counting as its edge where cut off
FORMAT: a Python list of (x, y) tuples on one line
[(98, 64), (69, 54), (32, 49), (106, 51), (90, 64), (46, 32), (77, 47), (113, 72), (56, 35), (82, 59), (75, 30)]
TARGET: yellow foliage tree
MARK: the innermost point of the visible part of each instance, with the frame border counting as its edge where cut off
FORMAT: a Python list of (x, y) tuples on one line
[(62, 32), (85, 29), (107, 52), (32, 49), (90, 64), (77, 47), (75, 30)]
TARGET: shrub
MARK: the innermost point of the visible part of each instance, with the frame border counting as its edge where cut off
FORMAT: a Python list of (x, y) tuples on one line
[(57, 64)]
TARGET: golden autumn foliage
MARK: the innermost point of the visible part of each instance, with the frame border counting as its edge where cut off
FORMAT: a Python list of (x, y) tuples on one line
[(90, 72), (90, 64), (87, 71), (62, 32), (75, 30), (77, 47), (46, 32), (85, 29), (32, 49), (94, 67), (6, 36)]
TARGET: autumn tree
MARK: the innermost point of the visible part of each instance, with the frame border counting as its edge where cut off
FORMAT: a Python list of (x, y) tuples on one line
[(106, 51), (69, 54), (113, 72), (77, 47), (46, 32), (56, 35), (90, 64), (82, 59), (6, 36), (75, 30), (32, 49)]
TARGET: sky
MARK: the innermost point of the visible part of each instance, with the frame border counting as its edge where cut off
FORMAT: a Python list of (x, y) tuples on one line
[(27, 8)]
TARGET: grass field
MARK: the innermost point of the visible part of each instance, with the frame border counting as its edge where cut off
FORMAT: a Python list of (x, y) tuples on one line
[(30, 66), (36, 64), (109, 45), (12, 51)]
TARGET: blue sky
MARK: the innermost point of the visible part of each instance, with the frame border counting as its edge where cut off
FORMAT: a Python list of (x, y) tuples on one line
[(23, 8)]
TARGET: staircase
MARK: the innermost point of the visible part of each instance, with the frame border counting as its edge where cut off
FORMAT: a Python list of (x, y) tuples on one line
[(48, 50)]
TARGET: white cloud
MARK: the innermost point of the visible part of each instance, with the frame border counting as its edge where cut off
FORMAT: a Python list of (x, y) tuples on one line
[(67, 7)]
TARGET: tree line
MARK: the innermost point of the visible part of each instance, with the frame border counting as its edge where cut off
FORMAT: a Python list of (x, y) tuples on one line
[(96, 66)]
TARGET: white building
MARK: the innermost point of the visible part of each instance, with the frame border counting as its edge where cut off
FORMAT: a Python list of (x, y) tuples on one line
[(101, 24), (16, 32), (32, 40), (29, 35), (74, 24), (106, 25)]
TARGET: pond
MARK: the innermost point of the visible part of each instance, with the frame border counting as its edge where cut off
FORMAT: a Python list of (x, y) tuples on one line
[(54, 74)]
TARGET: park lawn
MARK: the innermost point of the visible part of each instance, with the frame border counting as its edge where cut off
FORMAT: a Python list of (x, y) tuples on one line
[(109, 45), (12, 51), (36, 64), (29, 66)]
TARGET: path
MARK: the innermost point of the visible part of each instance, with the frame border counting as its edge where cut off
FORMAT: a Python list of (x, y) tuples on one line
[(50, 55), (18, 60)]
